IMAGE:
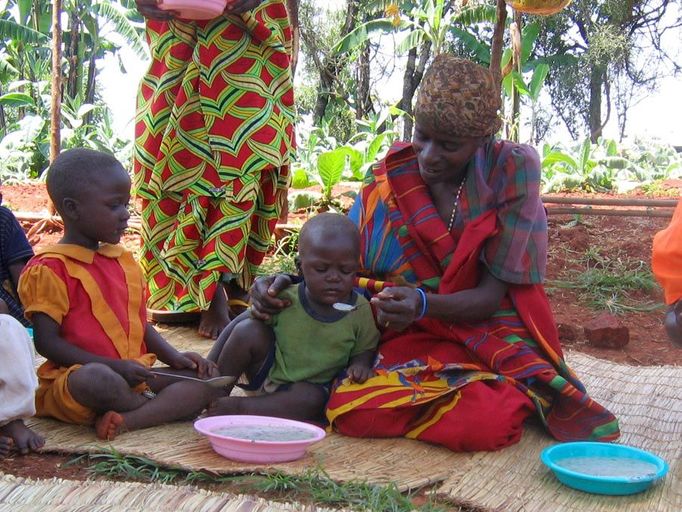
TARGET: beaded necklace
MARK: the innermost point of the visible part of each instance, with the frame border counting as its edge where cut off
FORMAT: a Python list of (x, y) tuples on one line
[(454, 206)]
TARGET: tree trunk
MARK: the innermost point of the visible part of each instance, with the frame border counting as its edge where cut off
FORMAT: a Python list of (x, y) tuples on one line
[(71, 54), (90, 86), (330, 67), (295, 23), (56, 90), (497, 42), (414, 71), (515, 128), (3, 122), (596, 83), (363, 102)]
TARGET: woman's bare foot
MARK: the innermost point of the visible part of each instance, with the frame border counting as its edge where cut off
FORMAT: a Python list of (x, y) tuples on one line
[(217, 316), (109, 425), (25, 439)]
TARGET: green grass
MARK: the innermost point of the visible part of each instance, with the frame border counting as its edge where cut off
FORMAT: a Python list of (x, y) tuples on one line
[(283, 258), (608, 282), (312, 486), (658, 189)]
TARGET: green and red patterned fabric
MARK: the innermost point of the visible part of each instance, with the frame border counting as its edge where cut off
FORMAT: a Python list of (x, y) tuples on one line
[(213, 140)]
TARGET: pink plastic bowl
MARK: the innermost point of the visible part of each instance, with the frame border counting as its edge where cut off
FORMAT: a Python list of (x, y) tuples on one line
[(195, 9), (245, 450)]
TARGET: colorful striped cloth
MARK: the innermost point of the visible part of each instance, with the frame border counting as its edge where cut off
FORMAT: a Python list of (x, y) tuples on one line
[(214, 137), (465, 386)]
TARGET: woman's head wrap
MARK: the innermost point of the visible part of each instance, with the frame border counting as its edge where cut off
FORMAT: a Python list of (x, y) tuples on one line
[(459, 98)]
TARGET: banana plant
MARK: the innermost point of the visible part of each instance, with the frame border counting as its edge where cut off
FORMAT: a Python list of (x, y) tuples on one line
[(515, 69), (415, 23)]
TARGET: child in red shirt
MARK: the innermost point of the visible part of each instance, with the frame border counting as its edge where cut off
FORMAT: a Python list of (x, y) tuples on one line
[(85, 296)]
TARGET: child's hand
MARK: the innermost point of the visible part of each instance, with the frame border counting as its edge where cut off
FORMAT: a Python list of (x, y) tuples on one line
[(133, 372), (359, 373), (192, 361)]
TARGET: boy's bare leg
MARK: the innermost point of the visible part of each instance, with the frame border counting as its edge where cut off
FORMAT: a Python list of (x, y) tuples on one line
[(217, 316), (245, 347), (98, 387), (178, 401), (302, 401), (25, 439), (217, 347)]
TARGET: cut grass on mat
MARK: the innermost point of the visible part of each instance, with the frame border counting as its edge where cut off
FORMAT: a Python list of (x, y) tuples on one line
[(608, 282), (312, 486)]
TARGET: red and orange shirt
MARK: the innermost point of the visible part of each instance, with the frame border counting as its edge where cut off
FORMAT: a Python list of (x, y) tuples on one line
[(97, 297)]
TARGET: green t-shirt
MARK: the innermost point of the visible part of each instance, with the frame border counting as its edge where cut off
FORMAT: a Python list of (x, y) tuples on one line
[(315, 349)]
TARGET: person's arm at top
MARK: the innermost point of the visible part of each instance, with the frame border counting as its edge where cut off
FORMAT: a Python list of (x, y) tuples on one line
[(166, 353), (150, 9), (50, 344), (263, 295)]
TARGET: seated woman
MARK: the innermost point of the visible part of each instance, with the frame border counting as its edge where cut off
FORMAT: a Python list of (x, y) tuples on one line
[(469, 349)]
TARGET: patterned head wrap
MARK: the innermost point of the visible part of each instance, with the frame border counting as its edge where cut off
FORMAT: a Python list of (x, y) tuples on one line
[(458, 97)]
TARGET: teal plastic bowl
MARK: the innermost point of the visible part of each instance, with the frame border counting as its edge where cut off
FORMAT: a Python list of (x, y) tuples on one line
[(589, 475)]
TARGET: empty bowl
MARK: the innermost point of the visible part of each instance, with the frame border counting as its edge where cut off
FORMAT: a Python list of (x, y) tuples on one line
[(261, 439), (194, 9), (604, 468)]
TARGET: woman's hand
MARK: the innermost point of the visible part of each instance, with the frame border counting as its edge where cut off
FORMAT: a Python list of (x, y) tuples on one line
[(263, 294), (397, 307), (240, 6), (150, 9)]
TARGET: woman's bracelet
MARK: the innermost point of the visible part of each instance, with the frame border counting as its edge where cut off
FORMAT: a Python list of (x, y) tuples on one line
[(422, 293)]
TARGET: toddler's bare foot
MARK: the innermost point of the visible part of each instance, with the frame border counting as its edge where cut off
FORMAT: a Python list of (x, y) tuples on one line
[(25, 439), (216, 317), (222, 406), (109, 425), (5, 446)]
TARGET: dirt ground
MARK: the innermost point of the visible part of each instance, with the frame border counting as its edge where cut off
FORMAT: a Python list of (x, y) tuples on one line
[(629, 237)]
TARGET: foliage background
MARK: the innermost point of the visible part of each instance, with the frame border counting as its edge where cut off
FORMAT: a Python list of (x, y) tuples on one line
[(360, 64)]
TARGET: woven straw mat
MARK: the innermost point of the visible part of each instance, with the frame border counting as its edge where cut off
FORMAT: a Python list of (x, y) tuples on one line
[(24, 495), (647, 401)]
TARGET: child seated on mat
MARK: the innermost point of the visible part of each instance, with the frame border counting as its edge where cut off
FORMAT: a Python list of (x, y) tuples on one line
[(18, 385), (666, 263), (291, 363), (15, 251), (85, 296)]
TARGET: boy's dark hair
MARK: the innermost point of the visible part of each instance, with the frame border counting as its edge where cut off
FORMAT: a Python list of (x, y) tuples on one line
[(328, 224), (72, 170)]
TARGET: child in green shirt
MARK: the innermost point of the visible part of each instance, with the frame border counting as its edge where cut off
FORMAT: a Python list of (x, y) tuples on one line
[(291, 362)]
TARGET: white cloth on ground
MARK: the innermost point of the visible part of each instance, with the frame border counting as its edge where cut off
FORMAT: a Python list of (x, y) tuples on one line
[(18, 379)]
